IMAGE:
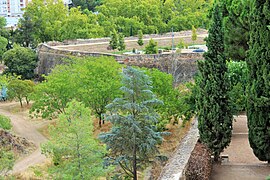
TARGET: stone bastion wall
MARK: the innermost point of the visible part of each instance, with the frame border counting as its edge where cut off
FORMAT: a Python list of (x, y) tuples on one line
[(183, 66)]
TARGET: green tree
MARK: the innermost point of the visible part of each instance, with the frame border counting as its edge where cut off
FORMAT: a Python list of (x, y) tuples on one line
[(20, 89), (133, 138), (151, 47), (86, 4), (3, 45), (114, 42), (94, 81), (194, 34), (121, 45), (236, 28), (140, 38), (24, 34), (20, 61), (237, 73), (75, 152), (258, 103), (214, 113)]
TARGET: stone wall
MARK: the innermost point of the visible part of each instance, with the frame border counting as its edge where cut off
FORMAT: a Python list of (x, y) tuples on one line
[(181, 65)]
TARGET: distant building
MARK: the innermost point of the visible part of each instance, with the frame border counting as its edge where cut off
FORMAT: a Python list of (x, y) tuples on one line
[(12, 8)]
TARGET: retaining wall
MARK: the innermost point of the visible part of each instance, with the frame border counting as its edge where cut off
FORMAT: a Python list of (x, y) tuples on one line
[(182, 66)]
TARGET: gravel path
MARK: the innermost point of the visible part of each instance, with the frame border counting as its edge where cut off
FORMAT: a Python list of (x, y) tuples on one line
[(23, 127)]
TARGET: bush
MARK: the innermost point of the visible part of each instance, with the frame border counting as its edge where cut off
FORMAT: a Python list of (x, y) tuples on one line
[(151, 47), (5, 123), (237, 73), (199, 164)]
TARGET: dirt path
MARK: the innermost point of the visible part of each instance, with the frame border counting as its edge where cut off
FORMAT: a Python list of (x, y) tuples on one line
[(23, 127), (242, 163)]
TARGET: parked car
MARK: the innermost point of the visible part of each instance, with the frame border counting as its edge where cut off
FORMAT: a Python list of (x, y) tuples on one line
[(198, 50)]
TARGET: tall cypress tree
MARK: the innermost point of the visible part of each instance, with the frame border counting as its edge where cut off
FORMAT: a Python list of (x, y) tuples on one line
[(214, 114), (258, 105)]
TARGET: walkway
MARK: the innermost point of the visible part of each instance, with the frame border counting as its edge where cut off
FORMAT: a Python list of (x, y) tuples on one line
[(23, 127), (242, 163)]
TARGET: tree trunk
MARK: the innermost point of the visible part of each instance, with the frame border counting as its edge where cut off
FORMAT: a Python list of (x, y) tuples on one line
[(99, 120), (134, 161), (21, 102), (216, 157)]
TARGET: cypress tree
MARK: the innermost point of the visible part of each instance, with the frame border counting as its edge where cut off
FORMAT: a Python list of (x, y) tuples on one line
[(114, 42), (258, 90), (121, 45), (236, 28), (214, 114)]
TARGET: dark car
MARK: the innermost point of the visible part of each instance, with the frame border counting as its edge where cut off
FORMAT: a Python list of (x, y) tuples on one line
[(198, 50)]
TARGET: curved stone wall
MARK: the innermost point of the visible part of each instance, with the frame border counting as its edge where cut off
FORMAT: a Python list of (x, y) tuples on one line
[(182, 66)]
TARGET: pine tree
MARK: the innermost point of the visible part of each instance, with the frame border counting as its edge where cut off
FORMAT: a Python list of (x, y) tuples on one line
[(140, 38), (121, 45), (258, 90), (133, 138), (114, 40), (214, 114), (74, 150)]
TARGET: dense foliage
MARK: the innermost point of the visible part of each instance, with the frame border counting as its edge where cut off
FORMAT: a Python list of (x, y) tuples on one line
[(5, 123), (258, 61), (237, 74), (20, 89), (7, 161), (75, 152), (133, 137), (151, 47), (93, 81), (214, 113), (236, 28), (20, 61), (53, 21)]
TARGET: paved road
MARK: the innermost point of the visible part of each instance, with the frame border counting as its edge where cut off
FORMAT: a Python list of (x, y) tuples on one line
[(242, 164)]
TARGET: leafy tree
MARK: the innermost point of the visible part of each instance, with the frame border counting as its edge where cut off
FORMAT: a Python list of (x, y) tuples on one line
[(75, 152), (94, 81), (20, 89), (236, 28), (258, 96), (214, 113), (151, 47), (24, 35), (181, 44), (133, 138), (5, 123), (237, 73), (52, 95), (194, 34), (7, 161), (86, 4), (121, 45), (99, 83), (3, 45), (140, 38), (114, 42), (20, 61)]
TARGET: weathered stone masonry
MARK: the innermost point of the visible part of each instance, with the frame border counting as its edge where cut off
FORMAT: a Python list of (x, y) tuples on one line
[(181, 65)]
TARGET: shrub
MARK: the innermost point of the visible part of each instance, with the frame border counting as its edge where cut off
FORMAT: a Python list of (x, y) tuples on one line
[(151, 47), (5, 123)]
